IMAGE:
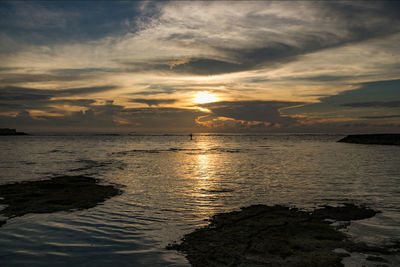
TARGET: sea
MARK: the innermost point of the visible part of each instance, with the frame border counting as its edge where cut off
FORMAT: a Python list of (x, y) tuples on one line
[(172, 185)]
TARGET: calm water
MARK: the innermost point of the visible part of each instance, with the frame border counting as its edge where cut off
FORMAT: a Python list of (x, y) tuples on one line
[(172, 184)]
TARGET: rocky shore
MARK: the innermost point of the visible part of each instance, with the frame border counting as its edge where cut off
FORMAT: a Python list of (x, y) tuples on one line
[(372, 139), (275, 236), (64, 193)]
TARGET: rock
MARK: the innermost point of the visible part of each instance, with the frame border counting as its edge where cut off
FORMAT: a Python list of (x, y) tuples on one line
[(376, 259), (272, 236), (64, 193), (372, 139), (8, 131)]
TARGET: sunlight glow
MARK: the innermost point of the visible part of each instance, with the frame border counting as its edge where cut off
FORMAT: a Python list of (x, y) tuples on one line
[(204, 97)]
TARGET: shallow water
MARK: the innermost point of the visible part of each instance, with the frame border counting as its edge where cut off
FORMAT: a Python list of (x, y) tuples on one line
[(173, 184)]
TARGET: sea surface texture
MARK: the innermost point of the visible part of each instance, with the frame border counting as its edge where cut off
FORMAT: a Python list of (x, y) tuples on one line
[(172, 184)]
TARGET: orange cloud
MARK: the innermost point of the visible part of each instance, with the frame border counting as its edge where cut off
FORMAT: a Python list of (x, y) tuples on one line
[(228, 123)]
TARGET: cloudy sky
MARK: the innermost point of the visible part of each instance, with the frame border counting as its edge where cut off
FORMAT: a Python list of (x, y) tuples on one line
[(140, 66)]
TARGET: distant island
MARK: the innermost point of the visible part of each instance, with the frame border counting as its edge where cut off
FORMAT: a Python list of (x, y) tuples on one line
[(8, 131), (372, 139)]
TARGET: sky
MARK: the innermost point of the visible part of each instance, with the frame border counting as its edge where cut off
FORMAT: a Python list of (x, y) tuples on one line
[(213, 66)]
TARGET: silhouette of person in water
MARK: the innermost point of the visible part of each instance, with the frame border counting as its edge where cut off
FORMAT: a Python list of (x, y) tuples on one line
[(191, 136)]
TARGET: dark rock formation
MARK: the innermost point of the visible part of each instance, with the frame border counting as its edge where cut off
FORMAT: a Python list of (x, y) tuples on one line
[(8, 131), (63, 193), (272, 236), (372, 139)]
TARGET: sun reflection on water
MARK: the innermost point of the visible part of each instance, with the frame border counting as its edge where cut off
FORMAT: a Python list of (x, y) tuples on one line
[(203, 166), (204, 181)]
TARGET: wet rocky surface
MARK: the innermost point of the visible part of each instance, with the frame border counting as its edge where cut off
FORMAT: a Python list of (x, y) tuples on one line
[(262, 235), (64, 193)]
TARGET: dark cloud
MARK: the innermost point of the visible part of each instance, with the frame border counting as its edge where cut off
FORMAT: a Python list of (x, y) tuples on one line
[(7, 107), (156, 89), (24, 78), (14, 99), (23, 93), (18, 95), (262, 111), (265, 116), (43, 104), (381, 117), (323, 78), (375, 104), (61, 22), (164, 119), (96, 119), (153, 102), (110, 117), (332, 25), (204, 66), (381, 91), (380, 94), (80, 71), (85, 90), (353, 23), (74, 102), (60, 75), (249, 59), (143, 66), (271, 55), (7, 69)]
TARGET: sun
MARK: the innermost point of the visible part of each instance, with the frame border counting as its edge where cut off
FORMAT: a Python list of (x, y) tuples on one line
[(204, 97)]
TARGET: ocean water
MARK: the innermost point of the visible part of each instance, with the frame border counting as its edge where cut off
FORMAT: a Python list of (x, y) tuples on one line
[(172, 185)]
